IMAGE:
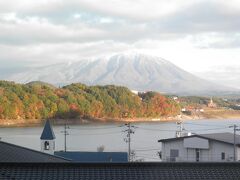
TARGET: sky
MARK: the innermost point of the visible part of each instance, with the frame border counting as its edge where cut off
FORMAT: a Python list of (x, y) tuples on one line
[(197, 35)]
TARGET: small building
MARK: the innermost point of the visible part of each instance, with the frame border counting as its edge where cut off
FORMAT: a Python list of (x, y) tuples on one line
[(48, 146), (218, 147), (94, 157), (183, 110), (211, 104), (175, 98), (48, 139)]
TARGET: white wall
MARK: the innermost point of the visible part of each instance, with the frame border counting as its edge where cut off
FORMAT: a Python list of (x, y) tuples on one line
[(51, 146), (196, 142), (217, 148), (166, 147), (189, 154), (238, 153)]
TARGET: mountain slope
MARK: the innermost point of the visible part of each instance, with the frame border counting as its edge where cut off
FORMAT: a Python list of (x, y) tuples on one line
[(136, 71), (227, 74)]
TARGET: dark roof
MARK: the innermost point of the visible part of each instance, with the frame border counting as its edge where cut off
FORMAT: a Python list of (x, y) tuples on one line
[(13, 153), (47, 133), (123, 171), (224, 137), (221, 137), (94, 156)]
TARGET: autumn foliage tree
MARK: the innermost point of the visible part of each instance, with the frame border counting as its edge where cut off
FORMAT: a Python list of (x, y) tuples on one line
[(40, 100)]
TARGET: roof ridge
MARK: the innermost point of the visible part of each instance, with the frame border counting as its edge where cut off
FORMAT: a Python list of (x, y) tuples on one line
[(205, 136), (33, 150)]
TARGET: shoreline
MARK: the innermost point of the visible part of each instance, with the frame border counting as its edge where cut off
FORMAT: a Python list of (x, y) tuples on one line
[(6, 123)]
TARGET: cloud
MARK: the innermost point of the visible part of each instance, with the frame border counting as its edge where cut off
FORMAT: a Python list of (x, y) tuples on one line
[(138, 10), (122, 21), (42, 54), (203, 17), (16, 30), (50, 31), (216, 40)]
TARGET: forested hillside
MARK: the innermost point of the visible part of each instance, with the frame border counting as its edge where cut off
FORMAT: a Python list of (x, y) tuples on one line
[(40, 100)]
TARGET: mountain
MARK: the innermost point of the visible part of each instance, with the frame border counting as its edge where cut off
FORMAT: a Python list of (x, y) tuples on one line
[(136, 71)]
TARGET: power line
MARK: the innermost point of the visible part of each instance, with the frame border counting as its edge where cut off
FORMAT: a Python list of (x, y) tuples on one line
[(116, 132), (148, 157), (207, 129), (203, 124), (95, 128), (150, 129), (146, 149), (151, 155)]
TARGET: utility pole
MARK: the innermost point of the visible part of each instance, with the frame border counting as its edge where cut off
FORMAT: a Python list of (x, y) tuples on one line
[(65, 133), (129, 131), (234, 140)]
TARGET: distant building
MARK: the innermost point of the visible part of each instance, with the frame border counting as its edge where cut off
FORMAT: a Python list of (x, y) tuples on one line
[(217, 147), (183, 109), (175, 98), (97, 157), (48, 139), (134, 92), (48, 146), (211, 104)]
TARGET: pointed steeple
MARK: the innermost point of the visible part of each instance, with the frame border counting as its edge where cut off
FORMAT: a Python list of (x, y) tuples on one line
[(47, 133)]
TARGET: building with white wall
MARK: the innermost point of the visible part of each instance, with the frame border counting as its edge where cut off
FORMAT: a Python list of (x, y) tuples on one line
[(48, 139), (218, 147)]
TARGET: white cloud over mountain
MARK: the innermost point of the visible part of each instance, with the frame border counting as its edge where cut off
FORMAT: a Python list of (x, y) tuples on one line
[(193, 34)]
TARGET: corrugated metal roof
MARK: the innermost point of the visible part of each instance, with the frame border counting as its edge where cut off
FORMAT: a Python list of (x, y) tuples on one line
[(47, 133), (121, 171), (94, 156), (222, 137), (13, 153)]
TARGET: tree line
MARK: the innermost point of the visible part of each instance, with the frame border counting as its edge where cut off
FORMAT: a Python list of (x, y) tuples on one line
[(41, 100)]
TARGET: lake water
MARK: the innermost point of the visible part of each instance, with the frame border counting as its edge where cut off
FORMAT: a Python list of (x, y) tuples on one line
[(111, 136)]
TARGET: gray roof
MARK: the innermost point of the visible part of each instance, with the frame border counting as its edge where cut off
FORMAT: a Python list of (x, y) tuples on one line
[(13, 153), (222, 137), (123, 171), (47, 133)]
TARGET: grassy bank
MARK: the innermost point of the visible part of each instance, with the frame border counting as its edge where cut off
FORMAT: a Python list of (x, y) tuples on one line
[(209, 113)]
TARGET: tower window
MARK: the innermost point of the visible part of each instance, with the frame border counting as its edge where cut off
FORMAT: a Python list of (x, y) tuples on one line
[(46, 145)]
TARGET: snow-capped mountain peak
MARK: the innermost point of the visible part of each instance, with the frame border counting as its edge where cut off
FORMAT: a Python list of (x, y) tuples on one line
[(134, 70)]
